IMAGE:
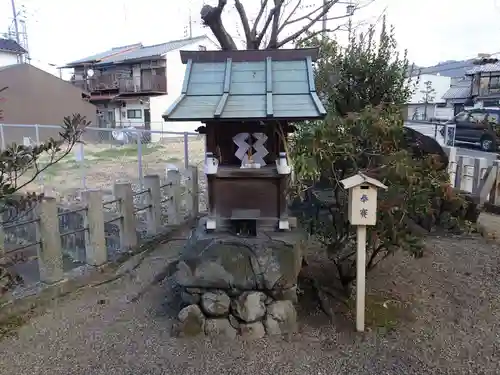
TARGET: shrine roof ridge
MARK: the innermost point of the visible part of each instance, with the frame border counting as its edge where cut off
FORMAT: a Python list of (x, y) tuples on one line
[(250, 55), (226, 85)]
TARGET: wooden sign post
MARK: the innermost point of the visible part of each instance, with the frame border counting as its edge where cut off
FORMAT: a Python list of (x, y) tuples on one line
[(362, 212)]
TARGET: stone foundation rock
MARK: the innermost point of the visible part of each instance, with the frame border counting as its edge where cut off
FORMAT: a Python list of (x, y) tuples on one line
[(232, 285), (217, 314)]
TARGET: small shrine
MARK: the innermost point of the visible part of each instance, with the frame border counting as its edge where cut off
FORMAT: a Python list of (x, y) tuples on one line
[(248, 102)]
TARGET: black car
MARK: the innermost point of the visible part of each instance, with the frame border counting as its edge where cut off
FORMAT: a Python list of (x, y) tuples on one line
[(478, 126)]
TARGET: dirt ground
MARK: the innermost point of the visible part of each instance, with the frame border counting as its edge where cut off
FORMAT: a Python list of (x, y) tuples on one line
[(104, 164), (435, 315)]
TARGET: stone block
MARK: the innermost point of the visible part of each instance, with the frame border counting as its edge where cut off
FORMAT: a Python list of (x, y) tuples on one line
[(281, 318), (215, 303), (250, 306)]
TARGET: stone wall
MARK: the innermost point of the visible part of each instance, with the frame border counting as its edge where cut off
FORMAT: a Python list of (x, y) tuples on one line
[(231, 285)]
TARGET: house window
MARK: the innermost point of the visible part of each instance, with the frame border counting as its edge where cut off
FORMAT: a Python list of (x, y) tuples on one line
[(490, 103), (202, 48), (483, 85), (475, 85), (134, 113), (495, 84)]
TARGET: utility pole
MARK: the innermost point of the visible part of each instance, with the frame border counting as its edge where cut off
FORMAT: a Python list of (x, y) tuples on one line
[(16, 26), (190, 25)]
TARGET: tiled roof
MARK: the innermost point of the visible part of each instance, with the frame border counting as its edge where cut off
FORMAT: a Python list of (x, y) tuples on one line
[(264, 88), (457, 92), (10, 45), (101, 55), (151, 51), (486, 68), (135, 52)]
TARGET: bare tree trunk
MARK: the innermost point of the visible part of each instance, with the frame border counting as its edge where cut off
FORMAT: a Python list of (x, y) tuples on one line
[(212, 17)]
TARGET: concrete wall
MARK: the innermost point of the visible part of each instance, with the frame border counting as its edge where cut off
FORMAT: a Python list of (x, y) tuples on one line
[(37, 97), (418, 110), (7, 58), (439, 83)]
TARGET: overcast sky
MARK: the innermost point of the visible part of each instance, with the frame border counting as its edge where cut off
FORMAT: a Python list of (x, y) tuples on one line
[(62, 31)]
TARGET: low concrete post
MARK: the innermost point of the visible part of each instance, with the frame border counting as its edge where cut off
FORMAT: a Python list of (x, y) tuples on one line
[(192, 201), (452, 163), (2, 242), (465, 174), (128, 223), (153, 199), (480, 166), (96, 253), (50, 256), (174, 193), (494, 196)]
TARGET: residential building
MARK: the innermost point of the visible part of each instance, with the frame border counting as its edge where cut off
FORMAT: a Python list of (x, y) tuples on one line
[(33, 96), (458, 95), (479, 87), (485, 85), (10, 52), (422, 106), (132, 85)]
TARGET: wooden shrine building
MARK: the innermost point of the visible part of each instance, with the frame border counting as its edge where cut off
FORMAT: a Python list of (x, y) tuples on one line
[(248, 101)]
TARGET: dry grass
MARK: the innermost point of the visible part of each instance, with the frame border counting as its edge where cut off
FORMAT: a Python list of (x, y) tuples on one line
[(104, 164)]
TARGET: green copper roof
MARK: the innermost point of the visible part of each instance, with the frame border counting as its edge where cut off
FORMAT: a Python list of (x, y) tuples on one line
[(265, 89)]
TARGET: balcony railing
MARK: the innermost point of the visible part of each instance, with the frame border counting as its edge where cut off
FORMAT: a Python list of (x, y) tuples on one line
[(156, 83), (145, 84)]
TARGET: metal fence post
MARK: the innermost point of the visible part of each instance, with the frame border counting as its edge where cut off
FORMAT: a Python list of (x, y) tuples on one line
[(139, 159), (96, 253), (50, 256), (80, 158), (186, 150), (2, 134), (37, 140)]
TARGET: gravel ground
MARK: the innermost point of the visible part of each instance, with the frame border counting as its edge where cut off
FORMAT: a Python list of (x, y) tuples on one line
[(450, 326)]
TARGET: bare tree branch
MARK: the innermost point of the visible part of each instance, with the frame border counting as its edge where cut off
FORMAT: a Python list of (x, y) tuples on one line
[(262, 9), (273, 41), (290, 16), (295, 35), (259, 38), (276, 20), (356, 8), (310, 35), (322, 9), (244, 21)]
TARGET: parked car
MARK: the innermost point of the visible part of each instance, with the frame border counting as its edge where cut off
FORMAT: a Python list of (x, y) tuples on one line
[(478, 126)]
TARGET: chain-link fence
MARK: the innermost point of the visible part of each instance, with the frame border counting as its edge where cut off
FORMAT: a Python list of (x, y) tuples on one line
[(108, 155)]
